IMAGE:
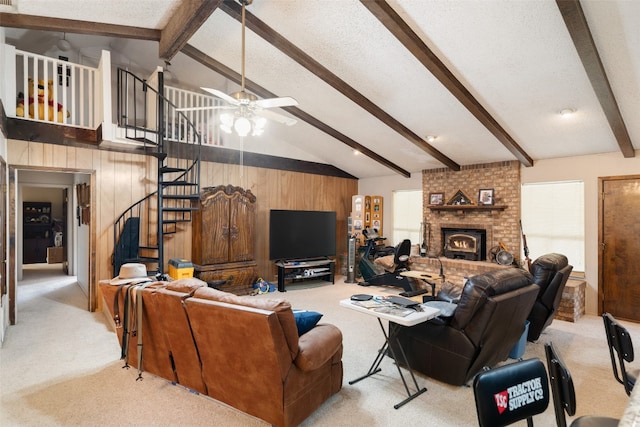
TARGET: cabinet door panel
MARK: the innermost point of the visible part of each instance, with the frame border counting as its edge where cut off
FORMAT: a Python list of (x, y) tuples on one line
[(214, 234), (241, 224)]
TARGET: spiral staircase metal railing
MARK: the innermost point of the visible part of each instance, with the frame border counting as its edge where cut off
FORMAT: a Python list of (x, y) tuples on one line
[(139, 232)]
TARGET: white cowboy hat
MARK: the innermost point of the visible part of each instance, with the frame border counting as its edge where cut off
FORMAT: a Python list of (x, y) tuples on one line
[(131, 273)]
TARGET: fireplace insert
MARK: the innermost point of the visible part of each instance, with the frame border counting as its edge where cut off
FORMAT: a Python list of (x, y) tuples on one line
[(464, 243)]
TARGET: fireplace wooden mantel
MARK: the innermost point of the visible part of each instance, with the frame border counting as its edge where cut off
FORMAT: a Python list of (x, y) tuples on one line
[(463, 208)]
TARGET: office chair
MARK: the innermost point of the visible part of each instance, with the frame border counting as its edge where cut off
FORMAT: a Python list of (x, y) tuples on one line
[(620, 348), (564, 394), (503, 394)]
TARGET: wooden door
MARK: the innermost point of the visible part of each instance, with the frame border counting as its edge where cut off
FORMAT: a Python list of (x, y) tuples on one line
[(241, 228), (4, 218), (620, 245)]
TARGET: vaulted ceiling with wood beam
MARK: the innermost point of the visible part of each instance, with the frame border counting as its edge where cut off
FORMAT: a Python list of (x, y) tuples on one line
[(383, 87)]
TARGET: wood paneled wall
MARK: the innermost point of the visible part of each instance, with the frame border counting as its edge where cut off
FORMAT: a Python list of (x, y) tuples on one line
[(276, 189), (123, 178)]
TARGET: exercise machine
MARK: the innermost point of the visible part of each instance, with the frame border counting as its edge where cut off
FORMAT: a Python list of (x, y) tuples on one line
[(377, 248), (375, 274)]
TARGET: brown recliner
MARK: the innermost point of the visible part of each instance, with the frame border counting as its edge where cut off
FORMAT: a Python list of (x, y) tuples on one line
[(486, 324), (550, 272)]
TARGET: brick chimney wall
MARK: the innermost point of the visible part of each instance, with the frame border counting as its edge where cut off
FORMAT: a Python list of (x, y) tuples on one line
[(501, 225)]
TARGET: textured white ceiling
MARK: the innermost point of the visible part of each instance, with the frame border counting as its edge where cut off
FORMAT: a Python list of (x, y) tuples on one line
[(515, 57)]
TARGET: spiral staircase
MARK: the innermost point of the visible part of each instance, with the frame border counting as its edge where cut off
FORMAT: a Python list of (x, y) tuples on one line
[(142, 114)]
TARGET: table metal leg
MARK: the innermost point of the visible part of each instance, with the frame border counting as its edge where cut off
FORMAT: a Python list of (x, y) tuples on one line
[(394, 329)]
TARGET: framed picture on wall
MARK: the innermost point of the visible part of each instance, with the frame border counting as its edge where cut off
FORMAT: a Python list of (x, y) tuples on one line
[(436, 198), (485, 196)]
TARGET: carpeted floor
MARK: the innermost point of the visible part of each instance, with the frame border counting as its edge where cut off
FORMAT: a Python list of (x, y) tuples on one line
[(59, 366)]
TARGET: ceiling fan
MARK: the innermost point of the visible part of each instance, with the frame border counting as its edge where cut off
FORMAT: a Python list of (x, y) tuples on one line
[(249, 113)]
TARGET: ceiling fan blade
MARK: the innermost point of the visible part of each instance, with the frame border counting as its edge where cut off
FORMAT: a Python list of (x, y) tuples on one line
[(277, 117), (212, 107), (285, 101), (221, 95)]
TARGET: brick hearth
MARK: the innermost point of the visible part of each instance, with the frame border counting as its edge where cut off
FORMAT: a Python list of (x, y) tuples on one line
[(455, 270)]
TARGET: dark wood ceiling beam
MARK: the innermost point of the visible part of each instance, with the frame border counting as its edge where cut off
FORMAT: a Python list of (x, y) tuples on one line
[(578, 27), (186, 20), (295, 53), (227, 72), (396, 25), (43, 23)]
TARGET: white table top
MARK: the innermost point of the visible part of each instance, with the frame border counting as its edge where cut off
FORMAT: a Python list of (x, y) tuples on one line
[(412, 319)]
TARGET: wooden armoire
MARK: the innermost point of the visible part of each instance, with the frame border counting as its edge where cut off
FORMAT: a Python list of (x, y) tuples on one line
[(223, 239)]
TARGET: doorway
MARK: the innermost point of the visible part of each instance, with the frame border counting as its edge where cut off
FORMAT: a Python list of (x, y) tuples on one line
[(619, 292), (76, 236)]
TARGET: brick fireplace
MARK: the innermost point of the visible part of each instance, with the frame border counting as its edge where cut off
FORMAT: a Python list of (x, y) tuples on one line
[(502, 223), (500, 220)]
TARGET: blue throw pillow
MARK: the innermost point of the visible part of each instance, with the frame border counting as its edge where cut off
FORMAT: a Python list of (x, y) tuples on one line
[(306, 320)]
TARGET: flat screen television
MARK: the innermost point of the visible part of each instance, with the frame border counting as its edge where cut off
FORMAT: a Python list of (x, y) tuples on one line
[(301, 234)]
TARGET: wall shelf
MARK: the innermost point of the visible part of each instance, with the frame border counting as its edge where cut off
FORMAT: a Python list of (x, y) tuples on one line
[(465, 208)]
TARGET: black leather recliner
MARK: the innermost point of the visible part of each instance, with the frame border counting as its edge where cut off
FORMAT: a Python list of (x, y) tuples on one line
[(488, 321), (550, 272)]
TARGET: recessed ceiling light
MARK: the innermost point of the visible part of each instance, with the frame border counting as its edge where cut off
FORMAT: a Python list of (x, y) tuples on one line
[(431, 138), (356, 152), (566, 112)]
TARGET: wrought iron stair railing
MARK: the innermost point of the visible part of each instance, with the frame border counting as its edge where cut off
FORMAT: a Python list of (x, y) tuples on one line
[(139, 232)]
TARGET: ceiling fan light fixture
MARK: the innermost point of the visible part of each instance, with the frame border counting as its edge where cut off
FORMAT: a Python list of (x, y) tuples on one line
[(259, 122), (226, 119), (242, 126), (63, 43), (250, 113)]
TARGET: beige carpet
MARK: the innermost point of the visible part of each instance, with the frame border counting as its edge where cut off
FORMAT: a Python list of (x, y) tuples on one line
[(59, 366)]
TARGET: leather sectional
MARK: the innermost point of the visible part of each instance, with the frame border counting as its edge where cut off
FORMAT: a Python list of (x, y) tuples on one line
[(239, 350)]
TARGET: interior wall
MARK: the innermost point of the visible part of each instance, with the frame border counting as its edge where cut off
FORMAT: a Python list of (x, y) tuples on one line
[(121, 179), (42, 194), (587, 169), (385, 186)]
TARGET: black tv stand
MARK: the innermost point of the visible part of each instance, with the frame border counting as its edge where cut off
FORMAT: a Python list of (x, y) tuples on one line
[(301, 269)]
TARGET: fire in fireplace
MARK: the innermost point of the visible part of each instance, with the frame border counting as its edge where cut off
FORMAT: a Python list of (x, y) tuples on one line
[(464, 243)]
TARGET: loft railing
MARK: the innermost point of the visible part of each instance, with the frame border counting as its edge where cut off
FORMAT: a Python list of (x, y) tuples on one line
[(83, 96), (205, 121), (48, 89)]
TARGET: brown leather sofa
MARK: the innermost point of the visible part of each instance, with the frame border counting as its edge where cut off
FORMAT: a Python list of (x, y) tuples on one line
[(550, 272), (488, 321), (240, 350)]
